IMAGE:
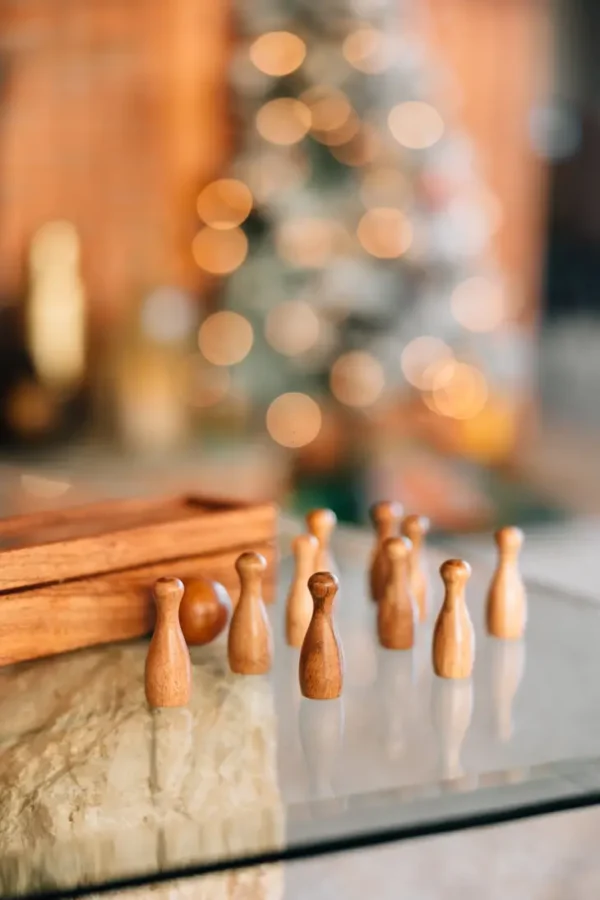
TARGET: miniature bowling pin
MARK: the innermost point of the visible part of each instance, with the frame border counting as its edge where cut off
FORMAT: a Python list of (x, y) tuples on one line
[(250, 643), (320, 523), (168, 674), (453, 650), (299, 607), (385, 517), (506, 610), (321, 667), (415, 529), (452, 710), (397, 613)]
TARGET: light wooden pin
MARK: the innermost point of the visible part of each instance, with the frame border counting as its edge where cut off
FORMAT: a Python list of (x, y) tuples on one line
[(385, 517), (168, 674), (250, 642), (321, 667), (415, 528), (506, 610), (320, 523), (397, 613), (453, 650), (299, 607)]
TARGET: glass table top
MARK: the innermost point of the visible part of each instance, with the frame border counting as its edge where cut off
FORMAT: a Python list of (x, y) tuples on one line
[(96, 790)]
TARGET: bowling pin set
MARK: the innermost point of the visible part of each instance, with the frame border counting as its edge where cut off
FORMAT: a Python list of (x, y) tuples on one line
[(397, 584)]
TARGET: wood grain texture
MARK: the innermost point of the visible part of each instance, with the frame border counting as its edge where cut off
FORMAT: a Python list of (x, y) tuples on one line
[(385, 517), (250, 642), (453, 650), (506, 607), (397, 612), (115, 607), (321, 668), (168, 670), (125, 534)]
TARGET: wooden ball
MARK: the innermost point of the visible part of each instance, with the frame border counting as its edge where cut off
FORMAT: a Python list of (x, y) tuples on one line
[(204, 611)]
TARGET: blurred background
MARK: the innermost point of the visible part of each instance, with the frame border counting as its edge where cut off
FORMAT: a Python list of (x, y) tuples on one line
[(319, 252)]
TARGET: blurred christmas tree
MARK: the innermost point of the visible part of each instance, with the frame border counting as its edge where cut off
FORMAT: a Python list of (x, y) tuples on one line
[(352, 231)]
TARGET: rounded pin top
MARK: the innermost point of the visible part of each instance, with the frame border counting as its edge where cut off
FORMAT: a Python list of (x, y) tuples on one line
[(385, 511), (455, 571), (398, 547), (168, 588), (321, 521), (304, 542), (414, 526), (510, 538), (250, 562), (323, 585)]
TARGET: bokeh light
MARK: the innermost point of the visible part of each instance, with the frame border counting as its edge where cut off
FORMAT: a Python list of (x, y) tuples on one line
[(220, 252), (274, 171), (385, 232), (365, 50), (308, 243), (362, 149), (292, 327), (278, 52), (357, 379), (225, 203), (208, 385), (225, 338), (458, 390), (416, 125), (420, 358), (335, 137), (384, 186), (168, 315), (478, 304), (283, 121), (294, 420), (329, 108)]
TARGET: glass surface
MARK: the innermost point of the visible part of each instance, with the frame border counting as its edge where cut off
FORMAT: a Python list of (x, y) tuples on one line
[(95, 789)]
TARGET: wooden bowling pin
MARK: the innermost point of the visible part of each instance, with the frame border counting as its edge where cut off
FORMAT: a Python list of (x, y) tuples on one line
[(250, 643), (168, 673), (321, 667), (506, 609), (385, 517), (415, 528), (453, 651), (452, 710), (299, 608), (320, 523), (397, 613)]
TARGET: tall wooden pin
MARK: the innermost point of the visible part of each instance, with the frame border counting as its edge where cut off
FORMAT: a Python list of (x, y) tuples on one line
[(168, 673), (250, 642), (506, 609), (453, 651), (415, 528), (397, 612), (385, 517), (321, 523), (299, 608), (321, 667)]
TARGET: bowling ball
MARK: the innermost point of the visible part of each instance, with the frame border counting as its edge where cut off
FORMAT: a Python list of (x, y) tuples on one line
[(204, 610)]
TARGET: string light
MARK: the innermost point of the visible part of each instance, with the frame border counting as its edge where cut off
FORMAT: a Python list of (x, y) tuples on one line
[(458, 391), (364, 49), (357, 379), (220, 252), (385, 232), (225, 203), (225, 338), (283, 121), (415, 125), (307, 242), (278, 52), (294, 420), (419, 359), (292, 327), (478, 304)]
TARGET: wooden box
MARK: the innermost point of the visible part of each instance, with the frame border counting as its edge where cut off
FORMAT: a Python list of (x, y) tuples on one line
[(83, 576)]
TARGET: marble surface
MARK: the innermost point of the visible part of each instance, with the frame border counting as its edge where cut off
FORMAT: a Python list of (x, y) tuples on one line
[(96, 788)]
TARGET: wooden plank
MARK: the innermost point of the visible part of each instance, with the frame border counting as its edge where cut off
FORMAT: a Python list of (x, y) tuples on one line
[(186, 534), (62, 617)]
